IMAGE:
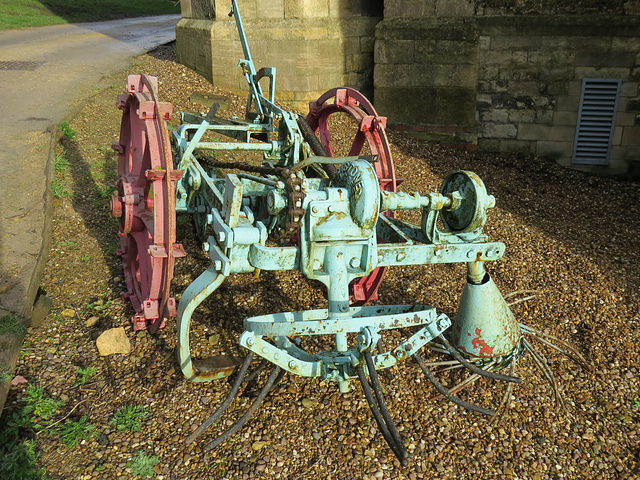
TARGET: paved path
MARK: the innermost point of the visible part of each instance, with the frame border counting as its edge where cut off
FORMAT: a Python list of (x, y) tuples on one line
[(46, 74)]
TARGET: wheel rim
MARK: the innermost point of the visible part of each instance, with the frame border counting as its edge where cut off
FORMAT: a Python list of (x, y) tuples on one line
[(370, 132), (145, 203)]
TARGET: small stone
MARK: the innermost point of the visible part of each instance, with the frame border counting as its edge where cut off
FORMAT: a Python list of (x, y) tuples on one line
[(307, 403), (103, 439), (316, 436), (68, 312), (91, 321), (113, 341), (258, 445), (214, 339)]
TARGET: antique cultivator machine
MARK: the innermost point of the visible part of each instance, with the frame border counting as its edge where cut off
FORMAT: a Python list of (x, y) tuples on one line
[(300, 207)]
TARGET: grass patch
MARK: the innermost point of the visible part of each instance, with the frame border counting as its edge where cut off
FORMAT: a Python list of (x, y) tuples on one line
[(129, 417), (36, 13), (11, 324), (142, 464)]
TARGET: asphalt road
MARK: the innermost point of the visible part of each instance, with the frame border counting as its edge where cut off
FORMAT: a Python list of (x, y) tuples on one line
[(46, 74)]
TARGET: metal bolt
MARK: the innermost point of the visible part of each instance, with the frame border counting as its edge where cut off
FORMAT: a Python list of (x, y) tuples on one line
[(206, 247), (355, 262), (314, 209), (221, 236), (470, 254), (209, 219), (265, 349), (400, 256), (276, 356), (217, 265), (330, 209), (250, 341), (292, 364)]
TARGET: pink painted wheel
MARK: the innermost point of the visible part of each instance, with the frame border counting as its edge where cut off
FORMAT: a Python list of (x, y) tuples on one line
[(145, 203), (366, 137)]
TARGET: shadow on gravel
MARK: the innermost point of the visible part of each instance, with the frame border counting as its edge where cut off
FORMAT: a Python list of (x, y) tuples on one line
[(595, 217), (91, 200)]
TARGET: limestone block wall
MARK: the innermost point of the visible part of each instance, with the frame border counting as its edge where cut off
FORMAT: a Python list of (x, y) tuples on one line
[(530, 80), (315, 45), (474, 75)]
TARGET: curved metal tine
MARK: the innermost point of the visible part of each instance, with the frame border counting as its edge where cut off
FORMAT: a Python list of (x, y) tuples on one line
[(398, 451), (256, 371), (495, 376), (382, 349), (225, 403), (542, 364), (274, 378), (444, 392), (570, 351), (504, 403), (382, 404)]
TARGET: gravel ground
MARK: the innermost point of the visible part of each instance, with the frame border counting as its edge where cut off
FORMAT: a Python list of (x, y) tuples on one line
[(571, 238)]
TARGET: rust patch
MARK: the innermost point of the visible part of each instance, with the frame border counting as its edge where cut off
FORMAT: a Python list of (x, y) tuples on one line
[(485, 350)]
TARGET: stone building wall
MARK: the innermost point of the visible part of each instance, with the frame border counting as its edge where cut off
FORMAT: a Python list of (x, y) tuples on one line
[(506, 75), (315, 45), (492, 75)]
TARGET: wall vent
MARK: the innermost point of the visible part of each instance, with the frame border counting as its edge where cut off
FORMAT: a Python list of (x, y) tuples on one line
[(596, 121)]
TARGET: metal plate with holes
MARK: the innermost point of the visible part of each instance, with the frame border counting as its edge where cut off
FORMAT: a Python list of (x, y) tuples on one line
[(15, 65)]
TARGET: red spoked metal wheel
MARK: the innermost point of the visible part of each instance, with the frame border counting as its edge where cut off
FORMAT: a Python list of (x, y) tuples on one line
[(369, 135), (145, 203)]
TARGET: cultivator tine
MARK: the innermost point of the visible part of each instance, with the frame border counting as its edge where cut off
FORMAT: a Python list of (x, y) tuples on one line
[(542, 364), (227, 401), (475, 369), (504, 403), (379, 409), (446, 393), (275, 377)]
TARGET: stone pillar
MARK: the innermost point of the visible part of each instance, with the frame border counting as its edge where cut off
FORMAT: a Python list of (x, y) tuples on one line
[(315, 45)]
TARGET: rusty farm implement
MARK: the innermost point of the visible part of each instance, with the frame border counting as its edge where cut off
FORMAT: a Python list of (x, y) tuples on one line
[(302, 207)]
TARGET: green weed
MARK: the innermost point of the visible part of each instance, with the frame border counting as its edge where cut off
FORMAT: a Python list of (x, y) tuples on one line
[(67, 131), (85, 258), (104, 191), (11, 324), (5, 373), (66, 243), (40, 404), (71, 431), (60, 190), (636, 404), (142, 464), (85, 374), (129, 417), (61, 163), (18, 457)]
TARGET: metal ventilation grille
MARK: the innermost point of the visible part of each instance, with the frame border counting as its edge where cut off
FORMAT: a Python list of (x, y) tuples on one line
[(596, 121)]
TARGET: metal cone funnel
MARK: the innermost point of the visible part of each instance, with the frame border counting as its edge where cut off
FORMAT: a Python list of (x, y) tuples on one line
[(484, 326)]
